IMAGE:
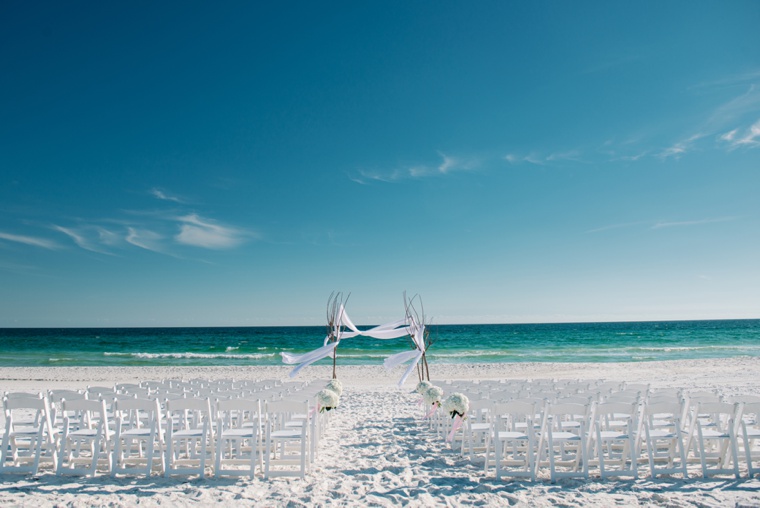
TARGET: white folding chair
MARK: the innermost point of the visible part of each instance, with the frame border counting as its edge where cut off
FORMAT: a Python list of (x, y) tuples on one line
[(563, 440), (514, 439), (86, 438), (55, 397), (138, 438), (663, 438), (287, 445), (29, 436), (238, 437), (188, 436), (614, 439), (750, 423), (477, 428), (714, 427)]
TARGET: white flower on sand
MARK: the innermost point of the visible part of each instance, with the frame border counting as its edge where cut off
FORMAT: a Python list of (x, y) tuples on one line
[(335, 386), (456, 404), (423, 386), (433, 396), (328, 400)]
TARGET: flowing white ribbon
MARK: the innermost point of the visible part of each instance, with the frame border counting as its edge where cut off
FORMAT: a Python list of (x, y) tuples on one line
[(418, 337), (308, 358), (393, 330)]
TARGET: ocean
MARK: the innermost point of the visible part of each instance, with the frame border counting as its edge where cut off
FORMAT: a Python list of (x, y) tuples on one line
[(491, 343)]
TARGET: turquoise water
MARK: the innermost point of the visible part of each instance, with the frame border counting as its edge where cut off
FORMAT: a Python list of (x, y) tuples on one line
[(577, 342)]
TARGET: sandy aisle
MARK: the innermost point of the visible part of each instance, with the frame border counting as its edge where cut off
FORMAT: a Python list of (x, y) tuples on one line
[(378, 452)]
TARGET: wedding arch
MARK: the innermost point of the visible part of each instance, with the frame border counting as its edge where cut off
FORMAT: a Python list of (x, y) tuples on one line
[(341, 327)]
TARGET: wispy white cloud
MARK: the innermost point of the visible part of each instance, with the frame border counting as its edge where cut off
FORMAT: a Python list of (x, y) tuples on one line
[(145, 239), (108, 237), (632, 158), (674, 224), (572, 155), (448, 165), (538, 159), (743, 138), (616, 226), (80, 238), (531, 158), (681, 147), (729, 136), (159, 194), (29, 240), (200, 232), (731, 81), (662, 224), (734, 110)]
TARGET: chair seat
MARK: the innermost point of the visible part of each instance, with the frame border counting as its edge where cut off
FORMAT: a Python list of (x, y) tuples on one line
[(611, 434), (142, 432), (84, 433), (242, 433), (713, 434), (512, 435), (24, 431), (565, 436), (188, 433), (286, 434), (480, 426), (662, 434)]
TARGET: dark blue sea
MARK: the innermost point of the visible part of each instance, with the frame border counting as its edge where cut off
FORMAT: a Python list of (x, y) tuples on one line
[(576, 342)]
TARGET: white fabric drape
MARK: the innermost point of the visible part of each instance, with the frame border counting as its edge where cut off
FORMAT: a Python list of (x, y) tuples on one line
[(394, 330)]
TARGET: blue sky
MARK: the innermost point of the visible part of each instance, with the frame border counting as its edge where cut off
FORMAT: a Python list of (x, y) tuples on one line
[(194, 164)]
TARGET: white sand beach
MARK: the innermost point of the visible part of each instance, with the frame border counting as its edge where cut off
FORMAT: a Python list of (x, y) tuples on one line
[(379, 452)]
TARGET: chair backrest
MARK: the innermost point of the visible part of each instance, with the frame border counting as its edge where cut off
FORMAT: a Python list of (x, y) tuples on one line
[(624, 396), (136, 413), (56, 396), (281, 411), (479, 408), (662, 410), (17, 411), (509, 415), (84, 413), (703, 396), (239, 413), (609, 415), (724, 416), (189, 412), (559, 415), (22, 395)]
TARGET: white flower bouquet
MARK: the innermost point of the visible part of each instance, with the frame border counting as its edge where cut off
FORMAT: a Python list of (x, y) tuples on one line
[(335, 386), (457, 404), (433, 396), (327, 399), (423, 386)]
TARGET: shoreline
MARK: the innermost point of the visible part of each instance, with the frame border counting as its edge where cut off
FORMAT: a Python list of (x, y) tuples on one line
[(737, 373)]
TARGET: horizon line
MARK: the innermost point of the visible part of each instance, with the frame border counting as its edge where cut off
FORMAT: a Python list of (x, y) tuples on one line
[(622, 321)]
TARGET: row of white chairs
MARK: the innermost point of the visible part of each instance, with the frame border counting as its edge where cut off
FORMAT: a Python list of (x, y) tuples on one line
[(274, 429), (611, 433)]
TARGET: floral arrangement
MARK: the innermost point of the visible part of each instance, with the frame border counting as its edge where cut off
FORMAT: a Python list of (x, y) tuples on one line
[(335, 386), (327, 399), (433, 396), (457, 404), (423, 386)]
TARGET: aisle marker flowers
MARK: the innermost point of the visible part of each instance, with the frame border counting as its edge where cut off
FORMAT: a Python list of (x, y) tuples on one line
[(335, 386), (327, 400), (432, 397), (457, 405)]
